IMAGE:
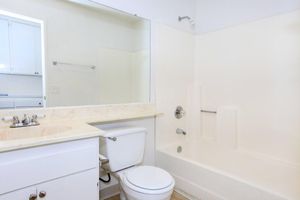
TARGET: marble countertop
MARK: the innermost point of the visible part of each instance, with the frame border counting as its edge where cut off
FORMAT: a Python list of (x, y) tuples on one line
[(44, 134), (58, 131)]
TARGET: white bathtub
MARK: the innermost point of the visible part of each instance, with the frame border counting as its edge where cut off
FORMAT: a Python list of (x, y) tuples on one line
[(208, 172)]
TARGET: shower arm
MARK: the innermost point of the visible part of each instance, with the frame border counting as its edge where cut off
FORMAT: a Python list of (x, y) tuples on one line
[(180, 18)]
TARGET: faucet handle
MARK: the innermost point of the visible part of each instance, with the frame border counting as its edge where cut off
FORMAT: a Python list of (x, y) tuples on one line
[(179, 112), (34, 118), (15, 120), (26, 120)]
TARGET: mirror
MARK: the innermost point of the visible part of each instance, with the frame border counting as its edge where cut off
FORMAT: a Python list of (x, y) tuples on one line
[(71, 53)]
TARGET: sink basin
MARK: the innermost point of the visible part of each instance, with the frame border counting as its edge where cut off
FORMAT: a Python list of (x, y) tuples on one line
[(32, 132)]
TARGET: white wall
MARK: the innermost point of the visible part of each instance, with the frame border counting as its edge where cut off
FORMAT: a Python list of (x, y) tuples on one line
[(173, 60), (254, 68)]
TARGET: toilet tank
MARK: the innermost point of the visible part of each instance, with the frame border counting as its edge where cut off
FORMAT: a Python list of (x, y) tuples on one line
[(123, 146)]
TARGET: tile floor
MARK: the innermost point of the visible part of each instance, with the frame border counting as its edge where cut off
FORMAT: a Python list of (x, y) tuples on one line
[(175, 196)]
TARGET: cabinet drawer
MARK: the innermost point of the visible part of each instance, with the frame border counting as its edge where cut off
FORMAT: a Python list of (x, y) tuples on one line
[(23, 168)]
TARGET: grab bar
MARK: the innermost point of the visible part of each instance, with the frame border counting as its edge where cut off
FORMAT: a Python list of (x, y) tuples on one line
[(209, 111)]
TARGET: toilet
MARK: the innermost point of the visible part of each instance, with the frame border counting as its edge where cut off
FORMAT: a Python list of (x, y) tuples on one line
[(124, 147)]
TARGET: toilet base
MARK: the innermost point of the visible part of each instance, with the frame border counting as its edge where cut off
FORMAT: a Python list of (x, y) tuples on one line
[(129, 194), (122, 195)]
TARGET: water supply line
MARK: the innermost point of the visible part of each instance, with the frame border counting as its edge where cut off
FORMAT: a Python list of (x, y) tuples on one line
[(108, 178), (103, 160)]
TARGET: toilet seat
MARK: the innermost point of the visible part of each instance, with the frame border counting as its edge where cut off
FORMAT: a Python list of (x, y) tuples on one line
[(148, 180)]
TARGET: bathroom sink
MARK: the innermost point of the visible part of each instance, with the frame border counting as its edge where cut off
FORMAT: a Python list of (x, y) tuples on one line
[(32, 132)]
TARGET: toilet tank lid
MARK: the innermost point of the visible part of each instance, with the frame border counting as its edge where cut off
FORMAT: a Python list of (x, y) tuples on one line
[(120, 131)]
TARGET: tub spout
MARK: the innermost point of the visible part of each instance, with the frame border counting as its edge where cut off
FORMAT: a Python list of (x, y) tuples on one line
[(180, 131)]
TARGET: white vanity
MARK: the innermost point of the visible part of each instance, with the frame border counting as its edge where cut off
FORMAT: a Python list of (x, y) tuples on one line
[(66, 166)]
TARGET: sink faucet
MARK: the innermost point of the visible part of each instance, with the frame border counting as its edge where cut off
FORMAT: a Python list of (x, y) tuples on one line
[(25, 122)]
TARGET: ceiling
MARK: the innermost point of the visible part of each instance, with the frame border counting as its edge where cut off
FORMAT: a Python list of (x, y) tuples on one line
[(213, 15)]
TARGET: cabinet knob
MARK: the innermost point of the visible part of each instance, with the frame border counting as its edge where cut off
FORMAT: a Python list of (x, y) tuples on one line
[(42, 194), (33, 197)]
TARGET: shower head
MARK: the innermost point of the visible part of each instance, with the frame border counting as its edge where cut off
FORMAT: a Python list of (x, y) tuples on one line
[(188, 18), (180, 18)]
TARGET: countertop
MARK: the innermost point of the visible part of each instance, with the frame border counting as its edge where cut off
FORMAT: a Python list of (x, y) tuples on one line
[(58, 131)]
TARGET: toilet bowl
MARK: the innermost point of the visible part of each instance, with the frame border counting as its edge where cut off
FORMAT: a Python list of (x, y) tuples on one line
[(146, 183)]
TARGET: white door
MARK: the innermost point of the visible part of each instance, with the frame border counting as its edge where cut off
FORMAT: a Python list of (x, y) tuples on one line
[(81, 186), (24, 39), (4, 46), (24, 194)]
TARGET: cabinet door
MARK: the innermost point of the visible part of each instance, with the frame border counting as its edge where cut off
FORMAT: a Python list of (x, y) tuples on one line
[(75, 187), (25, 50), (24, 194), (4, 46)]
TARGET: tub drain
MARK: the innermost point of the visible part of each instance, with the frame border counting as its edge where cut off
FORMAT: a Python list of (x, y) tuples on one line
[(179, 149)]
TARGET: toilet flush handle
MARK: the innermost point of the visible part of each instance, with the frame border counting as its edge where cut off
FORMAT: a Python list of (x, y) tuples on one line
[(112, 138)]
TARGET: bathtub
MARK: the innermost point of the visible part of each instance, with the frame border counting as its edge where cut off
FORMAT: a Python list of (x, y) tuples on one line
[(210, 172)]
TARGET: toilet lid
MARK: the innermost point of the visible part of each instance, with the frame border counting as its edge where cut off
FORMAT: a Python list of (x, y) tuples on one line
[(150, 178)]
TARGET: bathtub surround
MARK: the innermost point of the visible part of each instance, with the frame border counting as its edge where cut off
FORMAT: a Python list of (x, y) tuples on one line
[(253, 85), (254, 67), (249, 75)]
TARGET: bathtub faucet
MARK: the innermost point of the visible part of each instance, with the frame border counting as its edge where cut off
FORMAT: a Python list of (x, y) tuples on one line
[(180, 131)]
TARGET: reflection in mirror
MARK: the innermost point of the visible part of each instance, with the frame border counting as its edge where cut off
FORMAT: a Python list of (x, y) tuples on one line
[(93, 55), (21, 77)]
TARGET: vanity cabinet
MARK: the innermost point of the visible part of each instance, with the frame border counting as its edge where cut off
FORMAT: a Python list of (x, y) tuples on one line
[(20, 50), (55, 172), (81, 188), (75, 187)]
